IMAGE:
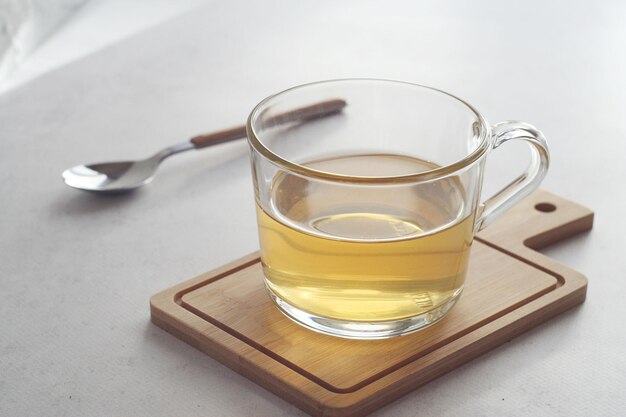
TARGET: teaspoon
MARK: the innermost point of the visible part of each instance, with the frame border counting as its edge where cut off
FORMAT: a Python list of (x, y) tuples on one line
[(117, 177)]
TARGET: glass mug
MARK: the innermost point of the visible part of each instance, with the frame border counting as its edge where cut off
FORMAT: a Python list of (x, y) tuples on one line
[(367, 207)]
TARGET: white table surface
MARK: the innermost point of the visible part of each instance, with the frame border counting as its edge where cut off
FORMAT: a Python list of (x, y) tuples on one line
[(77, 270)]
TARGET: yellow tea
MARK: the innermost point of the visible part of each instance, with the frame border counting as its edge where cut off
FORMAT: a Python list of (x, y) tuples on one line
[(365, 253)]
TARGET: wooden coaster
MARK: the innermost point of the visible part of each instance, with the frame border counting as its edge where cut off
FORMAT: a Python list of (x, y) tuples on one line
[(510, 288)]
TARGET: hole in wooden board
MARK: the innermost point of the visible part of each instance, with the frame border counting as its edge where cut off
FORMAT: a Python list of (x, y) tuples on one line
[(545, 207)]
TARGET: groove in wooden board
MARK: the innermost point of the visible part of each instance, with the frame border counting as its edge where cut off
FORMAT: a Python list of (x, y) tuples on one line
[(239, 304), (562, 289)]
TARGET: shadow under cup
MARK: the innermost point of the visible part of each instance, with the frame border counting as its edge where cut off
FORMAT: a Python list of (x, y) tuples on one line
[(367, 215)]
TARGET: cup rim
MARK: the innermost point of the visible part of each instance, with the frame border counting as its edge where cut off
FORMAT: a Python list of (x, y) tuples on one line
[(436, 173)]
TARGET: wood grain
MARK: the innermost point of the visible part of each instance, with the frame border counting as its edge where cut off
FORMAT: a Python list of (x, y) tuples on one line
[(510, 288)]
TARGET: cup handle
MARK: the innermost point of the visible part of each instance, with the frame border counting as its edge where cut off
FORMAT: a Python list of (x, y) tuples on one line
[(526, 183)]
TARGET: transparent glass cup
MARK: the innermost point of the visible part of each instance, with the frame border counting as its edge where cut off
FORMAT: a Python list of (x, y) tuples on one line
[(367, 211)]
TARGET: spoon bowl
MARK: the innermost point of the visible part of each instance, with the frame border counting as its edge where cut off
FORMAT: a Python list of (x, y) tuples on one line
[(111, 177)]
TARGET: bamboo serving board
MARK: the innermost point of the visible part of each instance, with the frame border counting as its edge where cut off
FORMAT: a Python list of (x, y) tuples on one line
[(510, 288)]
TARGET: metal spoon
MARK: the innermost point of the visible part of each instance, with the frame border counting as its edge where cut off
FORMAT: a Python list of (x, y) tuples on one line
[(117, 177)]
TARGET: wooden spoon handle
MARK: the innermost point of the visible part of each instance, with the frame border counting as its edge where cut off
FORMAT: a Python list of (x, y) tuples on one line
[(322, 109), (222, 136)]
